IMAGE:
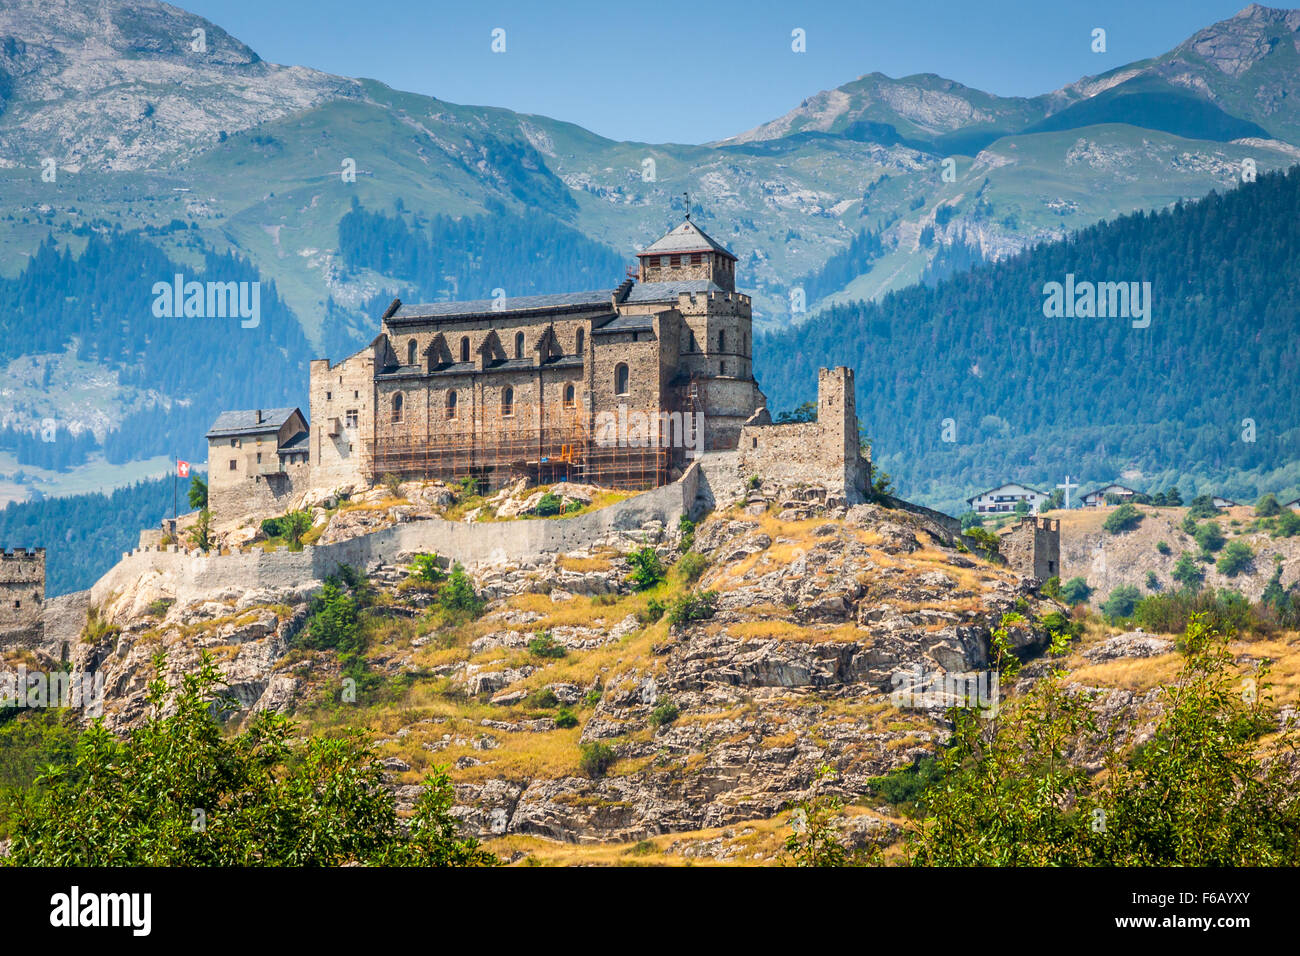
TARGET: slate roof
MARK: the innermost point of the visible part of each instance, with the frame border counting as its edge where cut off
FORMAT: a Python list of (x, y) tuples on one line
[(298, 442), (687, 237), (517, 303), (1007, 484), (471, 368), (245, 422), (628, 323)]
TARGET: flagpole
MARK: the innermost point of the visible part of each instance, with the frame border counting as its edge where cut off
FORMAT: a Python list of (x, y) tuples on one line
[(175, 513)]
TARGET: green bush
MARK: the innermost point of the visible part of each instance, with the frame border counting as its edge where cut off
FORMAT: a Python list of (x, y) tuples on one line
[(686, 529), (1187, 573), (543, 699), (544, 645), (1153, 582), (692, 565), (1121, 602), (392, 484), (654, 610), (425, 568), (1236, 558), (695, 606), (549, 504), (1210, 537), (565, 718), (595, 758), (458, 595), (1202, 506), (1170, 613), (665, 713), (1162, 547), (1267, 506), (1075, 591), (1287, 524), (1124, 518), (906, 786), (647, 569)]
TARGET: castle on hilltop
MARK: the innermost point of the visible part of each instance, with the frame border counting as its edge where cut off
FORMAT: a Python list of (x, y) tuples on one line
[(618, 387)]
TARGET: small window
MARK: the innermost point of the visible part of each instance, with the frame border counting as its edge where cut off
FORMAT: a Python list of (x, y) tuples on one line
[(620, 378), (356, 394), (397, 407), (507, 401), (464, 348), (519, 345), (233, 464), (234, 443), (692, 346), (259, 457), (451, 404), (722, 341), (582, 335), (722, 368), (351, 415), (329, 396), (677, 262), (17, 605), (569, 396), (410, 352)]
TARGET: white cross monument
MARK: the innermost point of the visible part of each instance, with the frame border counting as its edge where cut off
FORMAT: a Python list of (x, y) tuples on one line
[(1067, 486)]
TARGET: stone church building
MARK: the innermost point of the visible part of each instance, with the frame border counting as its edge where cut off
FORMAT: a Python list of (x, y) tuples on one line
[(619, 387)]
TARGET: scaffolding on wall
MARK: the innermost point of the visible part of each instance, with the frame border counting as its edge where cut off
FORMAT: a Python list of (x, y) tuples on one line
[(497, 445)]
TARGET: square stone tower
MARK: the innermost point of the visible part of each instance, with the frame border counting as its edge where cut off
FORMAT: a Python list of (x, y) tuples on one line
[(22, 596)]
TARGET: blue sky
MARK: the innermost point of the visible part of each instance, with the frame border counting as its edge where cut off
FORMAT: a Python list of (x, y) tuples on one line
[(689, 72)]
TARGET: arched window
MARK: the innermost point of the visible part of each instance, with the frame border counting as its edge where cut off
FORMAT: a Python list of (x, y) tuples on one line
[(519, 345), (410, 352), (451, 404), (569, 396), (620, 378), (582, 335), (507, 401), (397, 407), (464, 348), (722, 341)]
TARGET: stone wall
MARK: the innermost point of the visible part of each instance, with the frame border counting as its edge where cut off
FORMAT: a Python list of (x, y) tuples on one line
[(192, 576), (822, 453), (22, 596)]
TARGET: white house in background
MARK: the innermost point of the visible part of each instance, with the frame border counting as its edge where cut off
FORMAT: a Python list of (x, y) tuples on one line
[(1097, 498), (1003, 498), (1293, 504), (1221, 502)]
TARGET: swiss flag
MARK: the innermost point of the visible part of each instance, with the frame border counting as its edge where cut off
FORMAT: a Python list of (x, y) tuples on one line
[(182, 468)]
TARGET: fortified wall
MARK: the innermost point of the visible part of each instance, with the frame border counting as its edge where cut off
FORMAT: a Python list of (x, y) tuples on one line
[(824, 453)]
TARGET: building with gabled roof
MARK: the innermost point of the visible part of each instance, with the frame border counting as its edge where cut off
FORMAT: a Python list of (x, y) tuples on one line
[(619, 386), (1003, 499), (1097, 497), (258, 461)]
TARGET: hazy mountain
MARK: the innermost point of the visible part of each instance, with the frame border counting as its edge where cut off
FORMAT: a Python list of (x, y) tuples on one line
[(202, 148)]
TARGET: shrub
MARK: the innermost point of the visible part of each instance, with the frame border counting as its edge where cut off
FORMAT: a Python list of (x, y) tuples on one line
[(1075, 591), (1153, 582), (393, 484), (1162, 547), (458, 595), (591, 698), (425, 568), (1202, 506), (654, 610), (1287, 524), (1052, 588), (1189, 524), (1236, 557), (549, 504), (1210, 537), (686, 529), (595, 758), (565, 718), (1124, 518), (985, 541), (1171, 613), (647, 569), (543, 699), (695, 606), (1121, 602), (755, 482), (198, 492), (907, 785), (971, 519), (1267, 507), (665, 713), (692, 565), (201, 533), (544, 645)]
